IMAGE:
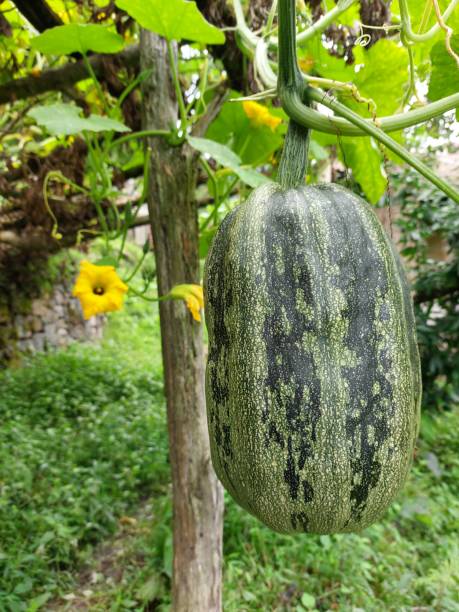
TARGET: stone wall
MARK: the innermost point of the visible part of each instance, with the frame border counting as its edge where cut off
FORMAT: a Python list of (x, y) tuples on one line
[(50, 321)]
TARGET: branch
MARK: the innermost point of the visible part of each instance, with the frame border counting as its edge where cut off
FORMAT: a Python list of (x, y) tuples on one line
[(58, 78), (38, 14)]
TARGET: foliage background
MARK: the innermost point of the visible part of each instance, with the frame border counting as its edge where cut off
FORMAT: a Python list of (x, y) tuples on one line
[(85, 503)]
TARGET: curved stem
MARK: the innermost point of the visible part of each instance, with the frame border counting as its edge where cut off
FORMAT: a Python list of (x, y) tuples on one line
[(97, 85), (252, 46), (57, 176), (144, 297), (293, 106), (141, 134), (448, 30), (321, 24), (136, 268), (412, 82), (406, 23)]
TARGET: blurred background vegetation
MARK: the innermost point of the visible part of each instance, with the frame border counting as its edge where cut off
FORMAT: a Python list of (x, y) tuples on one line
[(85, 516), (85, 511)]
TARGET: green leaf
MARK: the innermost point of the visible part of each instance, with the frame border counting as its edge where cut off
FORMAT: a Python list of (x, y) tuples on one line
[(107, 261), (365, 161), (444, 80), (173, 19), (228, 159), (78, 38), (329, 66), (39, 601), (308, 601), (351, 16), (254, 145), (384, 76), (222, 155), (380, 73), (65, 120), (317, 151), (150, 589)]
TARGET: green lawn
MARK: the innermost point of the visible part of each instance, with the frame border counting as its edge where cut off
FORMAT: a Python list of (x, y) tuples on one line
[(85, 511)]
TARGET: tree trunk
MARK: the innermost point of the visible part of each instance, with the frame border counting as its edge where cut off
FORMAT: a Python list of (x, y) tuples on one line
[(197, 495)]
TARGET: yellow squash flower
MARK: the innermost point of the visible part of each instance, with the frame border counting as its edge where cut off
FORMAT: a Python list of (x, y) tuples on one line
[(99, 289), (259, 115), (306, 63), (193, 297)]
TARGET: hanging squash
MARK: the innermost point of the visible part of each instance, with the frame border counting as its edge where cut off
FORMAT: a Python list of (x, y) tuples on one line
[(313, 380)]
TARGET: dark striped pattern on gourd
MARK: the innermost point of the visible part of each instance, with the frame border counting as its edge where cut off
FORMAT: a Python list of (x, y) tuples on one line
[(313, 380)]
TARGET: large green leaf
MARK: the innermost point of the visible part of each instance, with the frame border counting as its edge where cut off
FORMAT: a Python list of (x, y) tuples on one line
[(365, 161), (444, 80), (380, 73), (173, 19), (78, 38), (228, 159), (326, 65), (65, 120), (254, 144), (384, 76), (351, 16)]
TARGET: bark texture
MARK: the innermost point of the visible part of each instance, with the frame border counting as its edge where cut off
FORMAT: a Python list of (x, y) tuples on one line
[(57, 79), (197, 495), (38, 13)]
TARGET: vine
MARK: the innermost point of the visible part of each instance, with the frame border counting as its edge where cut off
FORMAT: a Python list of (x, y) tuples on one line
[(348, 123)]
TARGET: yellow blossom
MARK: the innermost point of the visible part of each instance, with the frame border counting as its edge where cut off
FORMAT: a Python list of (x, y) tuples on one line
[(99, 289), (306, 63), (193, 297), (259, 115)]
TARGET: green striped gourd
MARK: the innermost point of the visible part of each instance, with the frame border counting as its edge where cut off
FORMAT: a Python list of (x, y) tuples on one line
[(313, 379)]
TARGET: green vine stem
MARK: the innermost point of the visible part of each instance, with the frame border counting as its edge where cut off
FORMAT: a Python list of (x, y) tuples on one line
[(137, 267), (141, 134), (372, 130), (294, 160), (178, 90), (292, 100), (97, 85), (406, 23), (251, 45), (322, 24), (59, 177)]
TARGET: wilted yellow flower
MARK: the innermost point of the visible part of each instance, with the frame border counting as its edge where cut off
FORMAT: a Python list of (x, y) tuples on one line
[(193, 297), (260, 115), (306, 63), (99, 289)]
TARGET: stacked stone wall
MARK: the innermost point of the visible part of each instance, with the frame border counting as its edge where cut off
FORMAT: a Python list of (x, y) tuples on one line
[(52, 320)]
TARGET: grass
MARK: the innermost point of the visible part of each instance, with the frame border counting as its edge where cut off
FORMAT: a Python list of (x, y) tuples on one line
[(85, 509)]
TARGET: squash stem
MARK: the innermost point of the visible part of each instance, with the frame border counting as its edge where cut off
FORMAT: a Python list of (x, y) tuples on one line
[(294, 160)]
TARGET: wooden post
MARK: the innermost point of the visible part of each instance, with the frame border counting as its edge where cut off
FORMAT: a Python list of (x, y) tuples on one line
[(197, 495)]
